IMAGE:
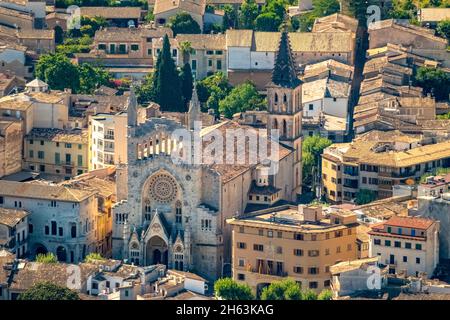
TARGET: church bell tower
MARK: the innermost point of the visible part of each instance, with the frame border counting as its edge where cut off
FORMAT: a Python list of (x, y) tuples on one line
[(284, 97)]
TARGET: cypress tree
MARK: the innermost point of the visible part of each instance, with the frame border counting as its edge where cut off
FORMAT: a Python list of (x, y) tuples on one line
[(167, 81), (187, 83)]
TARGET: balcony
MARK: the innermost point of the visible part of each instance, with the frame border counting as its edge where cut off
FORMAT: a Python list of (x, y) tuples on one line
[(279, 273)]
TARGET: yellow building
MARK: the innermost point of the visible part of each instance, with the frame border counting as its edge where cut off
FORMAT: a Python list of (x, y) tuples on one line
[(56, 152), (290, 241), (378, 161)]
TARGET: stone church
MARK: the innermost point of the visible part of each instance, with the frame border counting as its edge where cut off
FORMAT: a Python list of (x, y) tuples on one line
[(174, 213)]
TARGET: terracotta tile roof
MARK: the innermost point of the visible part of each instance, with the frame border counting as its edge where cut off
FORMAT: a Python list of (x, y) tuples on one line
[(36, 34), (300, 41), (410, 222), (335, 21), (11, 217), (59, 135), (35, 272), (132, 34), (42, 191), (190, 6), (405, 27), (16, 13), (204, 41), (112, 12), (230, 171)]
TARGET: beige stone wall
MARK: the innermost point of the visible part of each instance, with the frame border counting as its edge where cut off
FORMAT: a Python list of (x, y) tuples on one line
[(11, 149)]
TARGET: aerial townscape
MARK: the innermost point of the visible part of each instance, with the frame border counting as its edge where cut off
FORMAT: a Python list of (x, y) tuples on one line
[(224, 150)]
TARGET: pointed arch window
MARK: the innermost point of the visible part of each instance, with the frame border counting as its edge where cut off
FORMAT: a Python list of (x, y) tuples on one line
[(284, 98), (275, 124), (284, 133), (276, 98), (178, 212)]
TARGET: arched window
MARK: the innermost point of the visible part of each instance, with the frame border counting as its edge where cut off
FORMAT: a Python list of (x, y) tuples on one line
[(284, 133), (275, 124), (178, 212), (276, 98), (284, 98)]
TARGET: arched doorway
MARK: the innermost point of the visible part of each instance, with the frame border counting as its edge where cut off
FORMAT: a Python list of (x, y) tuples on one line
[(61, 254), (40, 249), (157, 251)]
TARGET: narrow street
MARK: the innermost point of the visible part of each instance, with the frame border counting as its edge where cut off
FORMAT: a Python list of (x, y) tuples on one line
[(362, 43)]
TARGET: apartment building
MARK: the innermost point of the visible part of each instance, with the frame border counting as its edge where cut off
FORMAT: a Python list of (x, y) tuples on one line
[(61, 221), (289, 241), (124, 51), (206, 55), (378, 161), (107, 140), (407, 245), (56, 153)]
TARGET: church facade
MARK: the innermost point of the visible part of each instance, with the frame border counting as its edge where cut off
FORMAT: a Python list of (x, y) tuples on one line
[(174, 213)]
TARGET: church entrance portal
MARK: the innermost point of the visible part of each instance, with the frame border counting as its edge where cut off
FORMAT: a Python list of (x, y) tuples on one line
[(157, 251)]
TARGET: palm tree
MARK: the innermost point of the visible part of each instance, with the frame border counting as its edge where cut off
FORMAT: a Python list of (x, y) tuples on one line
[(186, 50)]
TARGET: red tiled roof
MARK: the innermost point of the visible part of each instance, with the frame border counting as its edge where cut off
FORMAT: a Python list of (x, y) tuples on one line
[(410, 222)]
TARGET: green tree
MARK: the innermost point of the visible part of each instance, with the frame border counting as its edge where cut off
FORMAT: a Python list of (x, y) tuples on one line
[(167, 86), (146, 92), (186, 50), (46, 258), (92, 257), (403, 9), (248, 13), (92, 77), (365, 196), (241, 98), (325, 295), (321, 8), (443, 28), (309, 295), (187, 83), (228, 289), (58, 72), (229, 17), (48, 291), (212, 89), (268, 21), (434, 81), (183, 23), (75, 45), (282, 290), (312, 148)]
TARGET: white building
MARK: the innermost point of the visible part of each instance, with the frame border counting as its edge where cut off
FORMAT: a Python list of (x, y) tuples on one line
[(14, 230), (351, 277), (107, 138), (407, 245), (62, 220), (325, 96)]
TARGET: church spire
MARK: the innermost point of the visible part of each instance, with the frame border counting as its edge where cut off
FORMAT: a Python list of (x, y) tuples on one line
[(132, 106), (194, 113), (283, 73)]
